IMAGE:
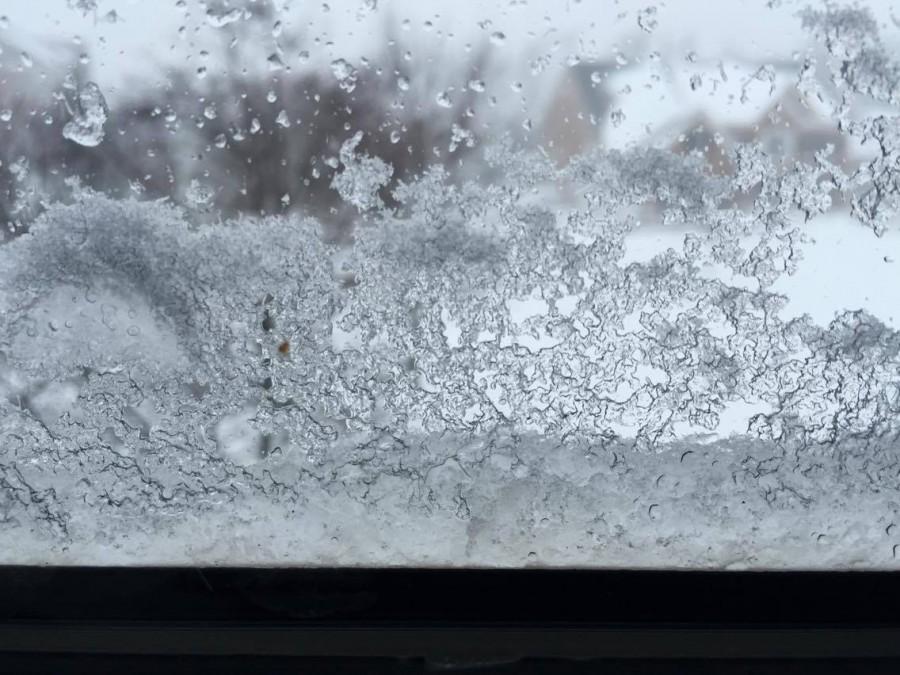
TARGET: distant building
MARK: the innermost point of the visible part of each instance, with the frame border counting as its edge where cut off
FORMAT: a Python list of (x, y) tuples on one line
[(791, 128), (576, 111)]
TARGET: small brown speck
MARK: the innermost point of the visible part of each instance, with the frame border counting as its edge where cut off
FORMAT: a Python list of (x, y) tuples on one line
[(284, 347)]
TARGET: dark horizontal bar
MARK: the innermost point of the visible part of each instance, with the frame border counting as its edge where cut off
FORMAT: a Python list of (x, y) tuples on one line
[(422, 613), (470, 643), (516, 597)]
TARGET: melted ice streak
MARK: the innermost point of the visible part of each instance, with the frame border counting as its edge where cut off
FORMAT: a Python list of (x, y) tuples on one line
[(496, 384), (89, 114)]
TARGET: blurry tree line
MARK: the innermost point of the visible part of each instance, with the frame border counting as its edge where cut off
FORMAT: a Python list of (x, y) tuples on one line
[(238, 139)]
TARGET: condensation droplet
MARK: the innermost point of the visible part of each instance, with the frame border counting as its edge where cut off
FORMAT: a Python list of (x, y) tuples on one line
[(89, 115), (647, 20), (218, 18), (275, 63), (345, 74)]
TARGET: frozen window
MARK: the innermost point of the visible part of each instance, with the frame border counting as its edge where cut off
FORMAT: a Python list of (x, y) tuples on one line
[(436, 283)]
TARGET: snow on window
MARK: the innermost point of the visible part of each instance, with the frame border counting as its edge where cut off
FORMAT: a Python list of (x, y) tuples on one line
[(380, 283)]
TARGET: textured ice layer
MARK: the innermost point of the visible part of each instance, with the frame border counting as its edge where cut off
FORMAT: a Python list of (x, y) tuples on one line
[(483, 379), (500, 501), (625, 362)]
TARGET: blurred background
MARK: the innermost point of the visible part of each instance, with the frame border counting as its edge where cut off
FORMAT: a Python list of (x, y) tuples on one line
[(231, 106)]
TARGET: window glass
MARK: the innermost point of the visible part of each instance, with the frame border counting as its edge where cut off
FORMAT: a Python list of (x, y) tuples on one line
[(504, 283)]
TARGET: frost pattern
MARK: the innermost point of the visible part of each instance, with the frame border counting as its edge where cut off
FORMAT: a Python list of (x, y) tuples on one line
[(483, 378), (362, 176)]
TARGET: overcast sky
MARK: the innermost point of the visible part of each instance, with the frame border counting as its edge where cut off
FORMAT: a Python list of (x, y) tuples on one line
[(146, 34)]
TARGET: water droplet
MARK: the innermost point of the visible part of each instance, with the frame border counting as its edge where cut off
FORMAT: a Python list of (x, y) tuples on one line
[(443, 99), (395, 136), (217, 18), (6, 115), (209, 112), (596, 77), (345, 74), (89, 114), (26, 60), (617, 117), (275, 62), (403, 83), (283, 120), (498, 38), (477, 85), (647, 20)]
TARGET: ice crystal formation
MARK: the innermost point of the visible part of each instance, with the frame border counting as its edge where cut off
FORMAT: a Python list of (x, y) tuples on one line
[(488, 376), (88, 117)]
